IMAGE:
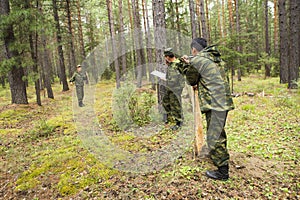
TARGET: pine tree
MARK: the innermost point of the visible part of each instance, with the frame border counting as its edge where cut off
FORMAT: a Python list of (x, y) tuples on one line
[(284, 42), (15, 71), (62, 74)]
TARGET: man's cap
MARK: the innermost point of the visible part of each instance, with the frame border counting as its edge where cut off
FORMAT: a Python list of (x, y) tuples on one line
[(78, 66), (168, 52), (199, 43)]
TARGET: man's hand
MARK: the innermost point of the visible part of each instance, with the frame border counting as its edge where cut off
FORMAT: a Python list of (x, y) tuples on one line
[(71, 83), (185, 59)]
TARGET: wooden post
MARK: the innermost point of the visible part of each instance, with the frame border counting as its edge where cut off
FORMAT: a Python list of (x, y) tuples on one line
[(198, 126)]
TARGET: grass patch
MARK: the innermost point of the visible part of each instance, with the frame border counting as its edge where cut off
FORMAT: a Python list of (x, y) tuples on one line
[(55, 165)]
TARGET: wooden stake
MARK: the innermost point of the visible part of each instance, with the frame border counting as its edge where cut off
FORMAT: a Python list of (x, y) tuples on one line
[(198, 126)]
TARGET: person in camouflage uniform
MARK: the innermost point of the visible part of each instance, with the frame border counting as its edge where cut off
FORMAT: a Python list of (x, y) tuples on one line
[(205, 72), (79, 77), (174, 86)]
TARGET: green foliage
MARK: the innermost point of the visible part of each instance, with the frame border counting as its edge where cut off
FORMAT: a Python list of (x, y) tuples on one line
[(132, 105), (188, 171), (120, 104), (42, 129), (268, 60), (140, 104)]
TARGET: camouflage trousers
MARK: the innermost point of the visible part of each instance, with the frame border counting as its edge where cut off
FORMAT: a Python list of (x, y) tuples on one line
[(79, 93), (172, 105), (216, 137)]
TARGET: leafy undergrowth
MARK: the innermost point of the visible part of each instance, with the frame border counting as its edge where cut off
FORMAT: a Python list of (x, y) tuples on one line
[(42, 157)]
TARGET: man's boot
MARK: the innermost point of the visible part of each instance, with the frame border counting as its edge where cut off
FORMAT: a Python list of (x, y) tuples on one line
[(177, 126), (80, 104), (220, 174), (165, 118)]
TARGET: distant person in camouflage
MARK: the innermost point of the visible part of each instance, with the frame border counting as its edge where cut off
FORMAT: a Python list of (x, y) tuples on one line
[(174, 86), (206, 73), (79, 77)]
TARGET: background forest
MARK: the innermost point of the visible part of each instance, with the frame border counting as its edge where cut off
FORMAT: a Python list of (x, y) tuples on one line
[(43, 41)]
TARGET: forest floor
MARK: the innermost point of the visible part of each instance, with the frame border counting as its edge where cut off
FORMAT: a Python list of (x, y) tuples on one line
[(42, 156)]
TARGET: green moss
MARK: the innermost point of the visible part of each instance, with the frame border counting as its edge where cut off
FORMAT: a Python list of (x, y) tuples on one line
[(248, 107), (30, 183), (75, 167), (13, 131)]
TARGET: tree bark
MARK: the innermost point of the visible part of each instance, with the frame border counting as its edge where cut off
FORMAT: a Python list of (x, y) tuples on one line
[(160, 42), (178, 24), (112, 35), (132, 54), (47, 68), (223, 19), (207, 21), (16, 73), (203, 20), (294, 45), (33, 52), (138, 42), (123, 44), (275, 27), (220, 28), (238, 38), (230, 10), (71, 38), (149, 42), (63, 76), (198, 17), (284, 42), (267, 66), (192, 17), (80, 32)]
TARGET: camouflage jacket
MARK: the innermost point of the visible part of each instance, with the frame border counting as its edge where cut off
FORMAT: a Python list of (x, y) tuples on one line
[(175, 81), (207, 69), (78, 78)]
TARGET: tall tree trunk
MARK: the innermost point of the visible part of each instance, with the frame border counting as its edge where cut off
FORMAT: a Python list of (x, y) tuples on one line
[(223, 19), (80, 32), (138, 42), (275, 27), (16, 73), (192, 17), (47, 68), (46, 63), (160, 42), (284, 42), (230, 10), (207, 21), (33, 50), (63, 76), (123, 44), (198, 20), (71, 36), (267, 66), (238, 38), (112, 35), (33, 53), (132, 54), (178, 24), (294, 46), (2, 81), (203, 20), (220, 28), (149, 41)]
